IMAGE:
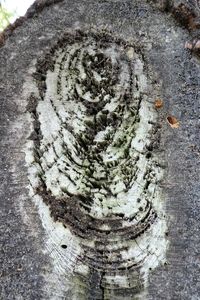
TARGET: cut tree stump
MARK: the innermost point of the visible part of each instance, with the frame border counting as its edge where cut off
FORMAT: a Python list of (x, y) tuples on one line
[(100, 151)]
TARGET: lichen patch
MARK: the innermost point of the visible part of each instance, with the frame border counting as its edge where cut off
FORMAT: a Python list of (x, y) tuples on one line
[(89, 163)]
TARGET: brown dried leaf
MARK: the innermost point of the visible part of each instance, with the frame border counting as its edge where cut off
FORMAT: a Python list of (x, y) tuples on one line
[(193, 45), (158, 103), (173, 122)]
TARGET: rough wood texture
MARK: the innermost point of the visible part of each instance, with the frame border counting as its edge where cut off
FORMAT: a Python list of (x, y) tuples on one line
[(100, 151)]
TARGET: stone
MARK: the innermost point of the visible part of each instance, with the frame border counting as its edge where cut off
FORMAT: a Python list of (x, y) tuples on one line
[(99, 195)]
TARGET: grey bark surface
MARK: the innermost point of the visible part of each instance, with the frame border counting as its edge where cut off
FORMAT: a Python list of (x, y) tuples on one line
[(160, 29)]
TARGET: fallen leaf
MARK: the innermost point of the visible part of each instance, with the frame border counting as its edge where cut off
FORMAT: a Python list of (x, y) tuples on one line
[(188, 45), (158, 103), (173, 122), (194, 45)]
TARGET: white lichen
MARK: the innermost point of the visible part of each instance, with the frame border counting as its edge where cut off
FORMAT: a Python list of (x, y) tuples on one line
[(113, 169)]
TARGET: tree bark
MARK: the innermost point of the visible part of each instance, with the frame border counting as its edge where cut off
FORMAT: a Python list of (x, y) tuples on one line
[(100, 151)]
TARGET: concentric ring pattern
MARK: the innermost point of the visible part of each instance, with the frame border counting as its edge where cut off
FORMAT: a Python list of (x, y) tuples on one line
[(96, 168)]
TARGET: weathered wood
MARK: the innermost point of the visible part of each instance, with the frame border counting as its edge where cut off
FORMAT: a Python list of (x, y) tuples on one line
[(100, 151)]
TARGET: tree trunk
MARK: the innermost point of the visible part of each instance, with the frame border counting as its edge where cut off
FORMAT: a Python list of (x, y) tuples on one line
[(100, 151)]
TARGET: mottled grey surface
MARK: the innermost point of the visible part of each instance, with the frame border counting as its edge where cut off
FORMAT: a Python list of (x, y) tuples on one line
[(24, 264)]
